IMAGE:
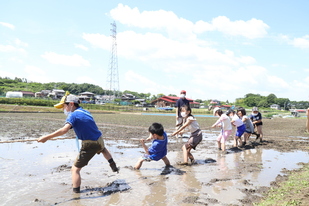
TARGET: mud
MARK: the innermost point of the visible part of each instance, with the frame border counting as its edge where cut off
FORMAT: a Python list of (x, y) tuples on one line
[(240, 177)]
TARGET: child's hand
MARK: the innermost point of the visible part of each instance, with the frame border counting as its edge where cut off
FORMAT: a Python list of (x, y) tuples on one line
[(42, 139), (173, 134), (142, 141), (213, 126)]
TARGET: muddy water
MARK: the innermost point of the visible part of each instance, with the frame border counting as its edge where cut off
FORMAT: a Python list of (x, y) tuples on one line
[(39, 174)]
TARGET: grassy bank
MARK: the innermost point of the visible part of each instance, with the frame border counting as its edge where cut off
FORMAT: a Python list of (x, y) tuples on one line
[(293, 191)]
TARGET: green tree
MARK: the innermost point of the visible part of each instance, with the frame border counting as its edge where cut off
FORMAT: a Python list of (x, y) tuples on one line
[(271, 99)]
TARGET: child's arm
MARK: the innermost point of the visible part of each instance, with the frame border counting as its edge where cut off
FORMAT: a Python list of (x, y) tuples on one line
[(216, 123), (149, 138), (57, 133), (144, 146), (188, 122)]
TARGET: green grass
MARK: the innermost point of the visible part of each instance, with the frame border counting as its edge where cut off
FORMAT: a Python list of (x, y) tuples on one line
[(294, 191)]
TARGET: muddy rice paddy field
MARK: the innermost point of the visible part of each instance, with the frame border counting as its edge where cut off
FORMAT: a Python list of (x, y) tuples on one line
[(39, 174)]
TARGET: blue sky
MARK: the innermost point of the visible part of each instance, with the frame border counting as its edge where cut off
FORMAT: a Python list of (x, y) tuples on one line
[(213, 49)]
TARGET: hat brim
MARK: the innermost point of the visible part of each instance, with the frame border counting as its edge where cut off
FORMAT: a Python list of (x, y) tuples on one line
[(59, 105)]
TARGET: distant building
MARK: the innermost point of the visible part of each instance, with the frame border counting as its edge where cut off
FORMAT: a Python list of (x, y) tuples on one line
[(170, 101), (14, 95), (86, 96), (275, 106), (27, 94), (56, 94)]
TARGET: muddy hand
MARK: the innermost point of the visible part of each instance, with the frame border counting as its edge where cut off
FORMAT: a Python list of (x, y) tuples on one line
[(42, 139)]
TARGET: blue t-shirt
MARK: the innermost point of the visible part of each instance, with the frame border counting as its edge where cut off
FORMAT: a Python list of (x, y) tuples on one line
[(181, 102), (158, 149), (84, 125)]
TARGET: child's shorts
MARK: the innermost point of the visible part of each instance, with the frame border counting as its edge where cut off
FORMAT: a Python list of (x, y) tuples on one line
[(195, 139), (224, 135), (88, 150), (240, 130)]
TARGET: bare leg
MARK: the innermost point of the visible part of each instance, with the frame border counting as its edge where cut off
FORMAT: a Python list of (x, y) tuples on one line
[(109, 157), (259, 131), (223, 146), (139, 163), (219, 145), (235, 141), (106, 154), (185, 153), (76, 178), (166, 161)]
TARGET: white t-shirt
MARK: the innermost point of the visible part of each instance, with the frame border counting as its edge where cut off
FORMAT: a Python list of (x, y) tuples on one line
[(236, 121), (194, 124)]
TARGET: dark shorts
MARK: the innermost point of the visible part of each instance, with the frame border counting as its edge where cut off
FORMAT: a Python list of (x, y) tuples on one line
[(88, 150), (195, 138)]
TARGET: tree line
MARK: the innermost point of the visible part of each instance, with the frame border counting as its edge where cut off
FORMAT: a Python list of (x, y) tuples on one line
[(249, 100)]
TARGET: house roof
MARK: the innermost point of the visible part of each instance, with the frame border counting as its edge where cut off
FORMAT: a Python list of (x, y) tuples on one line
[(173, 99), (85, 93)]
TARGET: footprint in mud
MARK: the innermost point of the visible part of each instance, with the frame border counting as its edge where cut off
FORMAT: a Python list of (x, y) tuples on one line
[(110, 188), (172, 170), (62, 168)]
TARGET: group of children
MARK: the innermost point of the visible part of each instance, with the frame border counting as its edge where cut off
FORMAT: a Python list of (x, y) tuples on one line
[(92, 142), (245, 126)]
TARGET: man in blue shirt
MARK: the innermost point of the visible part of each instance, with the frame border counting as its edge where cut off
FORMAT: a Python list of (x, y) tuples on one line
[(86, 130)]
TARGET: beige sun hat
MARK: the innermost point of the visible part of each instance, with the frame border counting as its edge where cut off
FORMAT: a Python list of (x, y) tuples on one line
[(215, 110)]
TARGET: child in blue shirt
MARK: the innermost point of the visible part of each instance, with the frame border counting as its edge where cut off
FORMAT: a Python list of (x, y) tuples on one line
[(158, 149)]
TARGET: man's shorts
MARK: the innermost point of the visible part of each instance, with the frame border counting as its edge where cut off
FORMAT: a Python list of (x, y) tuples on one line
[(88, 150), (195, 139)]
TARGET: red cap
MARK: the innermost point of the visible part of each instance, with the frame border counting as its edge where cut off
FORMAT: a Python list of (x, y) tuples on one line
[(183, 92)]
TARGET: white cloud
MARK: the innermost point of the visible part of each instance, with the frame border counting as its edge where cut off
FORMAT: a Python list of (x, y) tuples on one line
[(8, 25), (73, 60), (36, 74), (10, 48), (18, 42), (80, 46), (7, 74), (250, 29), (98, 40), (177, 27), (302, 42)]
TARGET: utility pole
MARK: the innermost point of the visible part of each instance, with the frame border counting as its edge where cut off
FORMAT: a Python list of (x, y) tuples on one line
[(113, 77)]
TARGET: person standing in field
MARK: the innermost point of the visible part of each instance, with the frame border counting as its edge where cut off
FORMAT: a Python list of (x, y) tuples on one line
[(179, 103), (247, 121), (86, 130), (158, 149), (256, 118), (226, 128), (196, 134)]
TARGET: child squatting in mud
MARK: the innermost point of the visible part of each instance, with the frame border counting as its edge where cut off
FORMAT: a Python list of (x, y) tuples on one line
[(86, 130), (158, 149)]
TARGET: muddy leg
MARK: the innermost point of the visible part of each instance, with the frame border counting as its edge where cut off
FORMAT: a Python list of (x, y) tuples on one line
[(139, 163), (185, 153), (76, 178)]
